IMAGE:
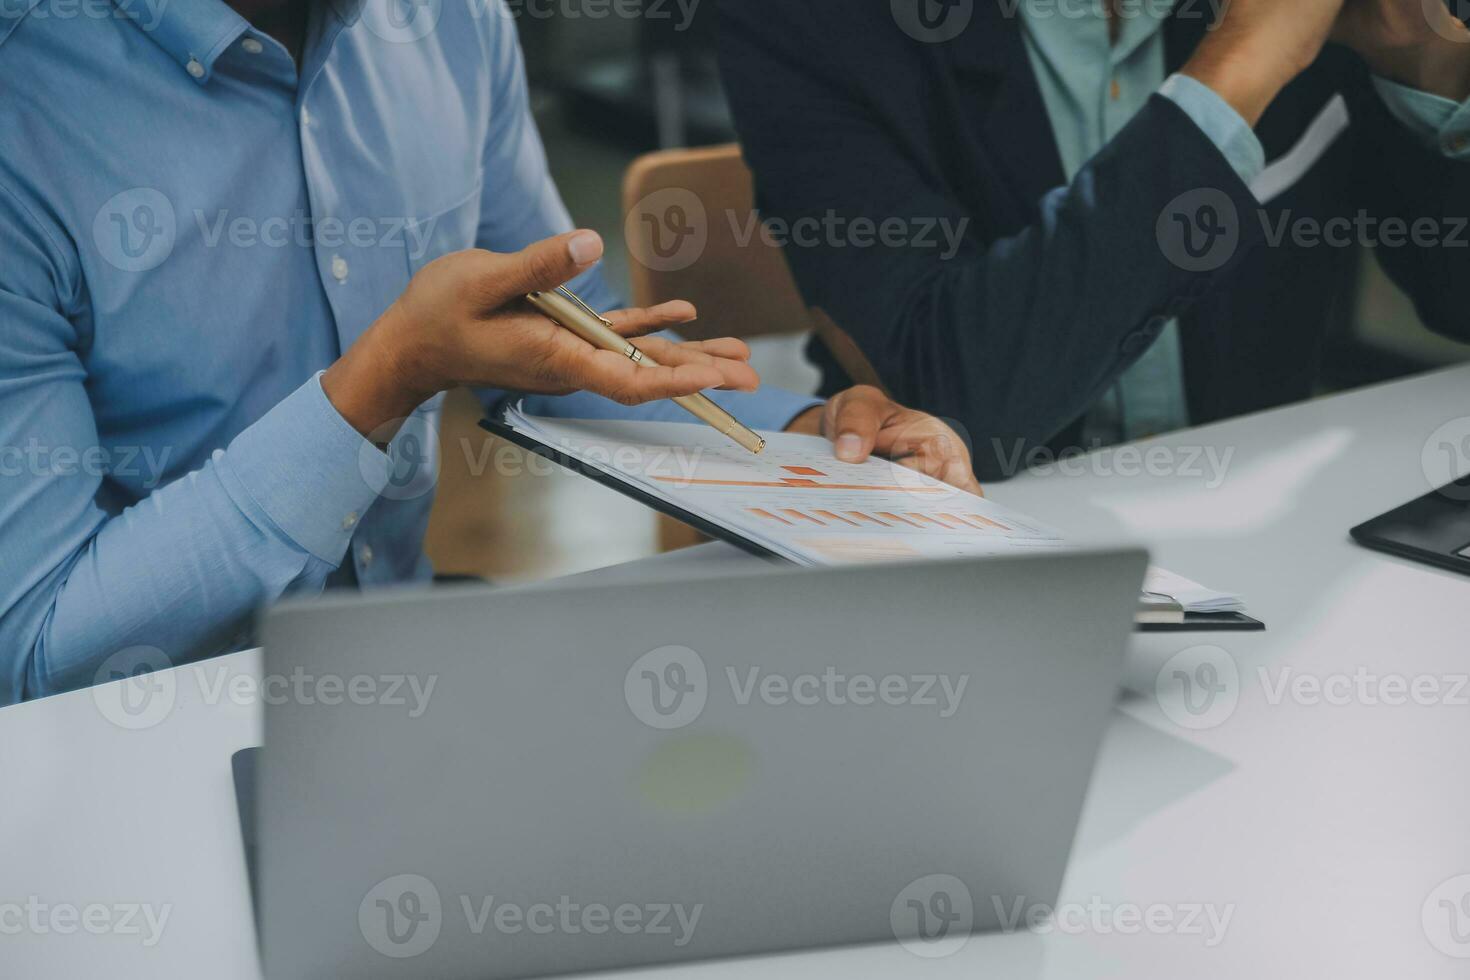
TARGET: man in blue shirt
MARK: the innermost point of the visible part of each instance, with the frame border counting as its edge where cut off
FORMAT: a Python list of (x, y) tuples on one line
[(240, 252), (1162, 200)]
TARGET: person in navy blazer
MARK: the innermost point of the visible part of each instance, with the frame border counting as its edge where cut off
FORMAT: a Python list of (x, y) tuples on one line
[(848, 111)]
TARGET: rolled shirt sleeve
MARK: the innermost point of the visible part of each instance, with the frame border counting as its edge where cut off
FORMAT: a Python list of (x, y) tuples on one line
[(1434, 120), (308, 470), (1219, 121)]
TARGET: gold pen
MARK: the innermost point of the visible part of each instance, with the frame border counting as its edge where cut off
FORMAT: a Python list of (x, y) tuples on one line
[(564, 307)]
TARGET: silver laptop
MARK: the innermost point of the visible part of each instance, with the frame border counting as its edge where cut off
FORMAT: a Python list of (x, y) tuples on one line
[(490, 783)]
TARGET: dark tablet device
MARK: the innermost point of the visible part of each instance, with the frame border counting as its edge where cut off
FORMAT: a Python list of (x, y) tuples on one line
[(1435, 529)]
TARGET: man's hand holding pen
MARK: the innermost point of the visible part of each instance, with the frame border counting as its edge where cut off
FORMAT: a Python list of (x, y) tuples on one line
[(463, 321)]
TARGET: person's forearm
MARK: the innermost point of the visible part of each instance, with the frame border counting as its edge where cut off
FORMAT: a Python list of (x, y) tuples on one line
[(181, 571), (1017, 341), (1248, 90), (371, 386), (1258, 46)]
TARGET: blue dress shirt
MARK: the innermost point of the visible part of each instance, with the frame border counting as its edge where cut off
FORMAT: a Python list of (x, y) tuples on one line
[(193, 228), (1094, 85)]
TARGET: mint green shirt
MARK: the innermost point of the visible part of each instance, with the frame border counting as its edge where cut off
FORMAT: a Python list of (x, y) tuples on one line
[(1093, 87)]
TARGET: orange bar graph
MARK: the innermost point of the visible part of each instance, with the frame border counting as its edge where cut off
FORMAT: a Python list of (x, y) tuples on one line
[(928, 520), (802, 517), (793, 483), (758, 512), (867, 517), (987, 522), (835, 517), (895, 517)]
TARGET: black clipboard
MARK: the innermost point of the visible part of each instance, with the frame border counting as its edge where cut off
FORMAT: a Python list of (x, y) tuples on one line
[(495, 423)]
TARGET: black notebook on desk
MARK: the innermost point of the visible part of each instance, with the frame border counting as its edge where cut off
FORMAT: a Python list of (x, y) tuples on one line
[(796, 503)]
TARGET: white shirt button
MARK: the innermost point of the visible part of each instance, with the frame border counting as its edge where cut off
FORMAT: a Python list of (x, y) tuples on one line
[(305, 117), (366, 554), (195, 68), (339, 268), (349, 521), (252, 46)]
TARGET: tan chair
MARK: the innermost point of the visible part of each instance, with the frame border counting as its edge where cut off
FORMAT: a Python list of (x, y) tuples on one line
[(693, 233)]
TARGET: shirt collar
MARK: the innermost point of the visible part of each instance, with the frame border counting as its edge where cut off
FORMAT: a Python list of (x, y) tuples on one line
[(1139, 27), (196, 32)]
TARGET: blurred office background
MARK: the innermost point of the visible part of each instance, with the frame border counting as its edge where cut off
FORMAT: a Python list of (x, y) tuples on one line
[(611, 80)]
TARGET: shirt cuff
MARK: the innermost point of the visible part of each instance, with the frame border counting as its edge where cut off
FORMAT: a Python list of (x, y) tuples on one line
[(1219, 121), (1438, 122), (308, 470)]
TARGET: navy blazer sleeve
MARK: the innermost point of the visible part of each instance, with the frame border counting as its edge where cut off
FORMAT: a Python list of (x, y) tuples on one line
[(1018, 334)]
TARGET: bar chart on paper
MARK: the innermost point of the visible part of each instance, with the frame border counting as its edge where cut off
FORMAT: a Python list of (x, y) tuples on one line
[(847, 525), (798, 502), (795, 499)]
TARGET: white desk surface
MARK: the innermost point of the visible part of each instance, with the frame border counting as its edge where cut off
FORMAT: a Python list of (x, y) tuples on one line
[(1324, 829)]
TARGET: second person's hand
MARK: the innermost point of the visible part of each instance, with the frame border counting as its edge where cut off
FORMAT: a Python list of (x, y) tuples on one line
[(1413, 42), (863, 420)]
